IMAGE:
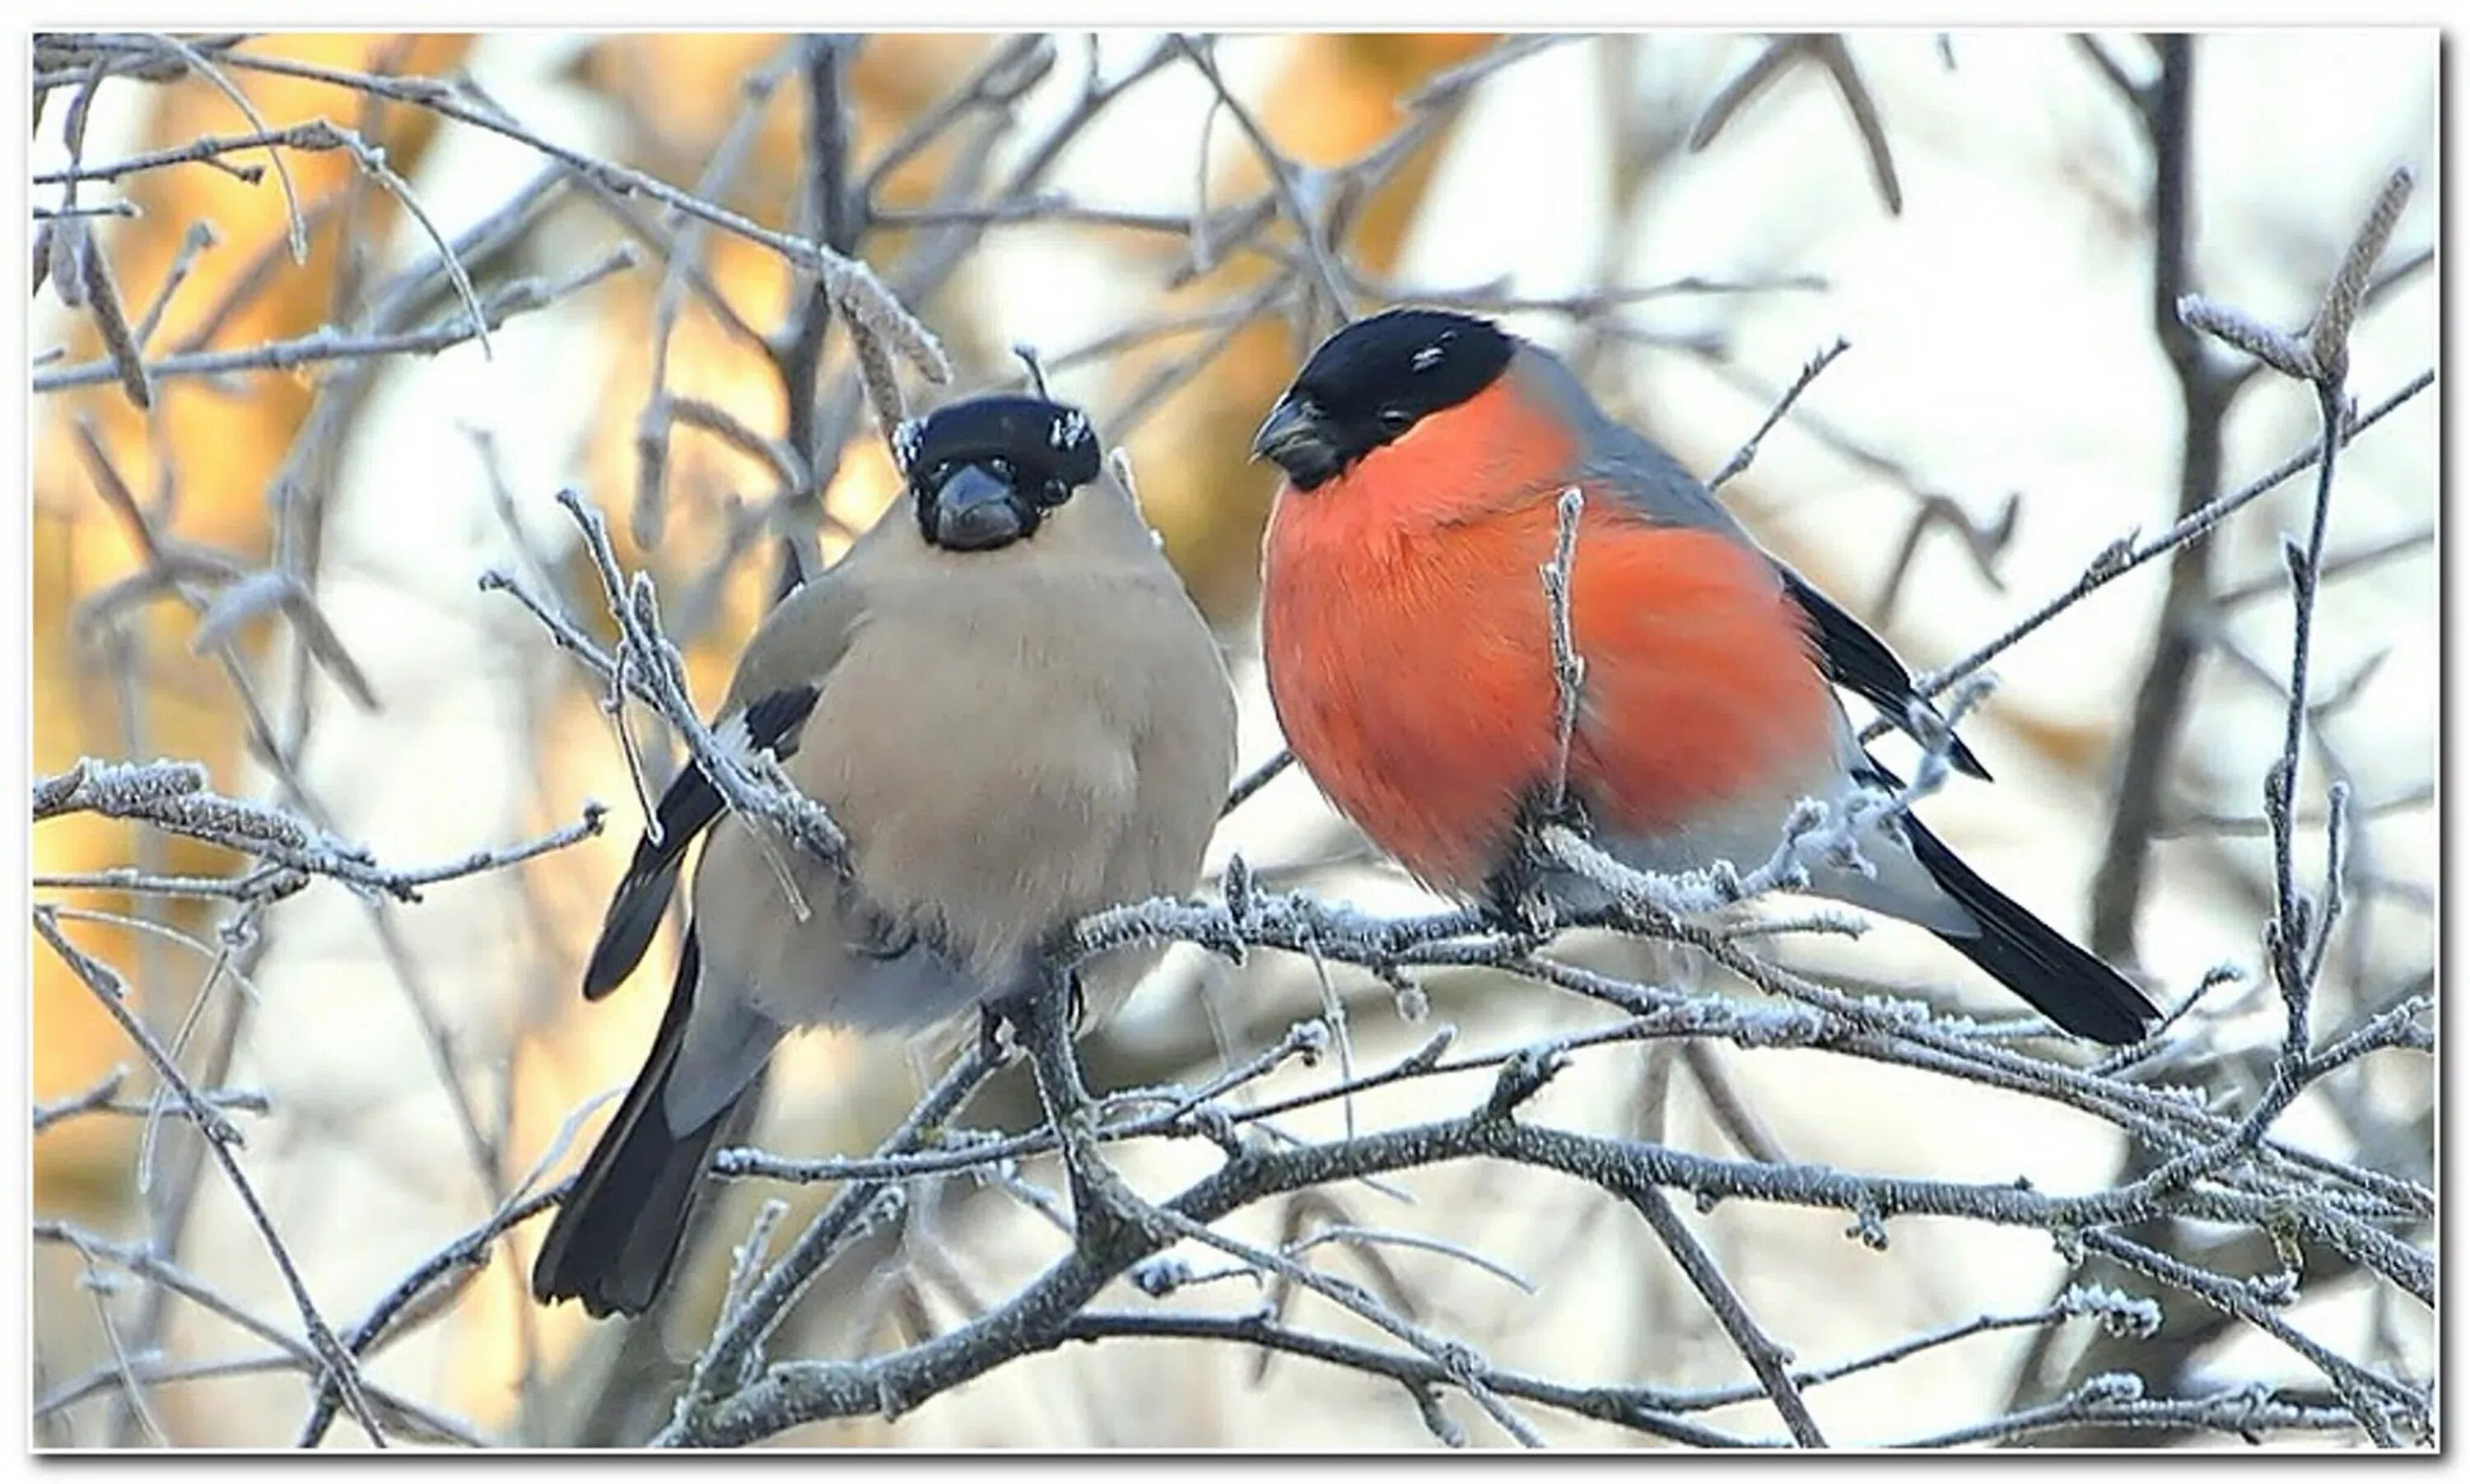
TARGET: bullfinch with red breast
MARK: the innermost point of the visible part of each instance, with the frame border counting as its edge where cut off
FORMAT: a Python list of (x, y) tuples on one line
[(1007, 701), (1408, 644)]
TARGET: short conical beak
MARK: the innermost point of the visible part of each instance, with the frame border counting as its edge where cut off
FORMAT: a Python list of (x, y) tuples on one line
[(1295, 441), (974, 511)]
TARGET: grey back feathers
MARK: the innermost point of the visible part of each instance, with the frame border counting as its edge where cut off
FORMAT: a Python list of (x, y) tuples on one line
[(1914, 875), (1657, 488), (1654, 482)]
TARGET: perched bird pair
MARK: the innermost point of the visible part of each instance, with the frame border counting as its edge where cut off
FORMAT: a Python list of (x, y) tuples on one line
[(1010, 707)]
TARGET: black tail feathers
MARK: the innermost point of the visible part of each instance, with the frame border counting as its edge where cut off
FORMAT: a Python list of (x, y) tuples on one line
[(635, 911), (618, 1235), (2084, 995)]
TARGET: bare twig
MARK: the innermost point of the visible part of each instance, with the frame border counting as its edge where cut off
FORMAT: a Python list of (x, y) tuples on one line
[(1765, 1356), (2207, 390), (1835, 56), (1749, 450), (520, 297), (1283, 172), (1569, 666), (1256, 780), (2127, 555), (219, 1134)]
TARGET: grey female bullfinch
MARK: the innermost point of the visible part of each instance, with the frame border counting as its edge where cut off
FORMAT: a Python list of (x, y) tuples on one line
[(1006, 699)]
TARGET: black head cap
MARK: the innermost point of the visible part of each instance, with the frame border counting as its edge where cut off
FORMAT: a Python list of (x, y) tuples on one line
[(985, 471), (1374, 380)]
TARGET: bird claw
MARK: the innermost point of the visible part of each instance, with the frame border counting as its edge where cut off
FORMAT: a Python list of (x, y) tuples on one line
[(990, 1023), (1012, 1011), (1519, 897), (1518, 906)]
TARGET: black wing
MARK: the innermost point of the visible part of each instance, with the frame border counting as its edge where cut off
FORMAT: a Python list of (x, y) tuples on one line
[(1861, 662), (691, 804)]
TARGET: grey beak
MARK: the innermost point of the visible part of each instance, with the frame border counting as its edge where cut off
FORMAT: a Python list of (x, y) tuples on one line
[(974, 511), (1294, 439), (1290, 425)]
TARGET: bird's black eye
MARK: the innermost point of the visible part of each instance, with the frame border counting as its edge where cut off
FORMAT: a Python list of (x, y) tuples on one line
[(1396, 420)]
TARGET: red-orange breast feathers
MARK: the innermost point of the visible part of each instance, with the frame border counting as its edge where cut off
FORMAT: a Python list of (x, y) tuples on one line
[(1409, 646)]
